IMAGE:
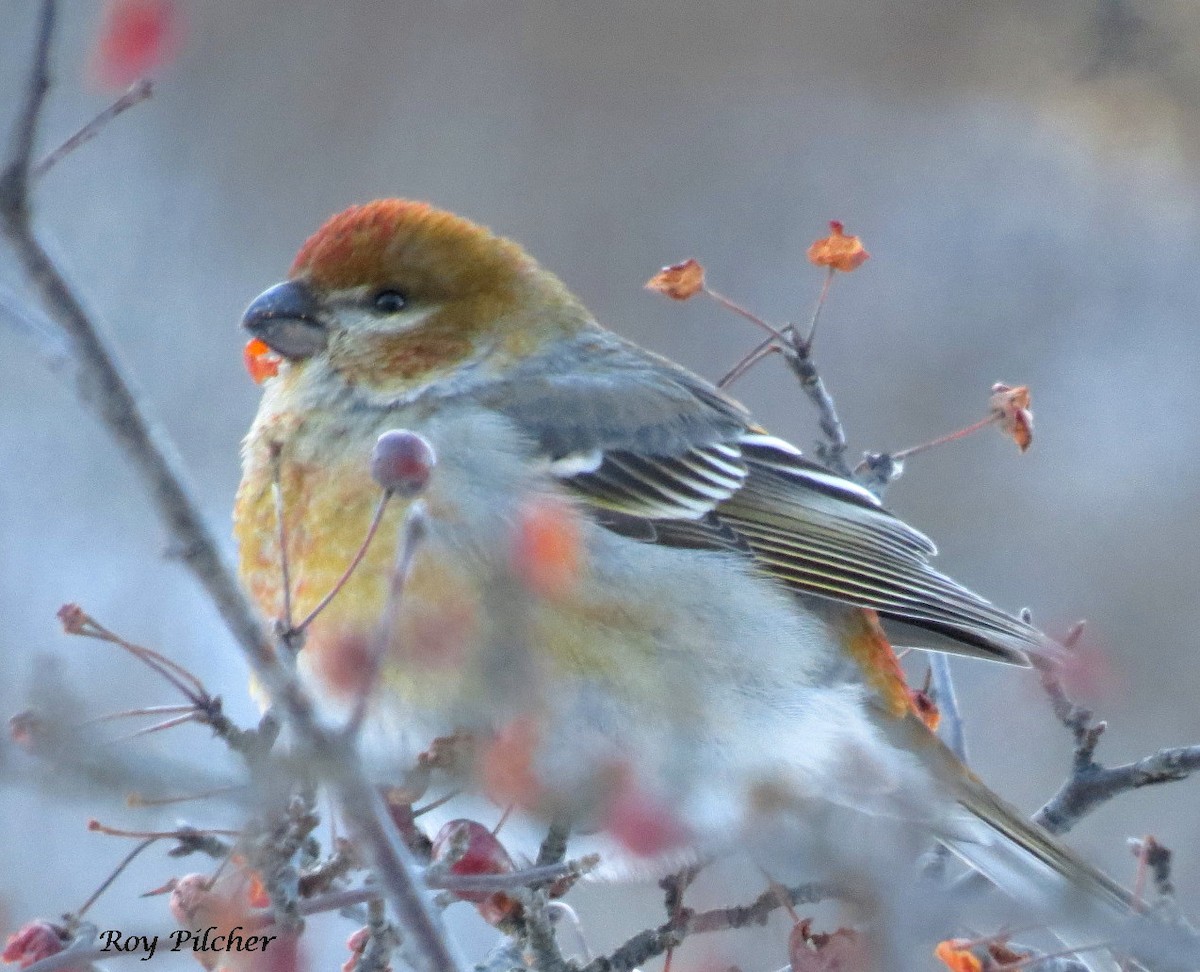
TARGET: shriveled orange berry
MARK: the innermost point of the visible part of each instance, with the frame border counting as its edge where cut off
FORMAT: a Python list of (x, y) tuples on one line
[(260, 360), (837, 250), (678, 281)]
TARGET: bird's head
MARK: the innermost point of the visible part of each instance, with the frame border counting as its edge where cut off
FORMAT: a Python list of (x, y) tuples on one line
[(394, 295)]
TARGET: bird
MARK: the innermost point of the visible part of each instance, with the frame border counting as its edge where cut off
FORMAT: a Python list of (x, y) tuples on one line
[(709, 646)]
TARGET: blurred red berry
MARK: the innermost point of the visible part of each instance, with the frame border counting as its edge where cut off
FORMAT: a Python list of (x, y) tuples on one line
[(136, 37), (642, 824), (547, 547), (467, 847), (402, 462)]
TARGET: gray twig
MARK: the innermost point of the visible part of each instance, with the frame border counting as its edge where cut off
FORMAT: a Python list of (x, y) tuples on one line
[(138, 92), (655, 941), (832, 451), (49, 346), (951, 728), (554, 844), (1091, 784), (540, 937)]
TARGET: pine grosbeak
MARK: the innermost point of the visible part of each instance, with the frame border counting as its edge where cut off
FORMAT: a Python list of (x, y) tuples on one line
[(712, 646)]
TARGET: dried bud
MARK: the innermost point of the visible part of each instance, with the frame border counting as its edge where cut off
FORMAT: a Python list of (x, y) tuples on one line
[(357, 943), (678, 281), (402, 462), (73, 618), (1011, 406), (965, 955), (926, 709), (845, 950)]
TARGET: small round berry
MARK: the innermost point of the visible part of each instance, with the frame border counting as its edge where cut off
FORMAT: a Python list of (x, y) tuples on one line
[(402, 462)]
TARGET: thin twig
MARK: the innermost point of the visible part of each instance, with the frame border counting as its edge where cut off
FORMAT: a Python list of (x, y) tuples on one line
[(412, 532), (179, 833), (365, 813), (774, 332), (51, 348), (530, 877), (138, 92), (285, 578), (382, 940), (540, 937), (554, 845), (372, 529), (144, 711), (756, 355), (1091, 784), (116, 873), (76, 621), (194, 716), (14, 182), (103, 386), (137, 800), (434, 804), (954, 436), (816, 315)]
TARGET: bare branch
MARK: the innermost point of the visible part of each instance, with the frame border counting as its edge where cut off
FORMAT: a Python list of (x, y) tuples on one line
[(832, 451), (1091, 784), (102, 384), (106, 390), (655, 941)]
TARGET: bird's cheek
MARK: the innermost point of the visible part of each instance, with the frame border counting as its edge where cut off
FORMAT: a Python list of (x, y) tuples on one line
[(398, 360)]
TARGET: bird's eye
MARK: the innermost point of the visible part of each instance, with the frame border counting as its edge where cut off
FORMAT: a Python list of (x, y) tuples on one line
[(388, 301)]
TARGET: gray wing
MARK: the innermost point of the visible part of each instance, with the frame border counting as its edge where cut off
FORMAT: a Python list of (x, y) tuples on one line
[(664, 457)]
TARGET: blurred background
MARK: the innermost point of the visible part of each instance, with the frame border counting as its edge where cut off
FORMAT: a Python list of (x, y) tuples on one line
[(1023, 173)]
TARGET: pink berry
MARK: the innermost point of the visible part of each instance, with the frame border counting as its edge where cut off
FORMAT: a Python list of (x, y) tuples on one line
[(402, 462), (33, 941)]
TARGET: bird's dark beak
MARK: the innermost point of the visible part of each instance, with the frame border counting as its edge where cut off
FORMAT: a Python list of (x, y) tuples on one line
[(287, 319)]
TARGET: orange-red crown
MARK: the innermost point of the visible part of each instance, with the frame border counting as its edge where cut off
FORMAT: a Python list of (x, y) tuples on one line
[(405, 243)]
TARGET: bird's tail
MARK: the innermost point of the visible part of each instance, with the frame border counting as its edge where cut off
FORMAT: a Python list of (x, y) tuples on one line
[(1083, 907)]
